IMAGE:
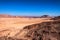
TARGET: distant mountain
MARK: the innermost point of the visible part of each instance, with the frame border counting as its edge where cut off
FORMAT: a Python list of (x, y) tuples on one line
[(56, 18), (11, 16), (5, 16), (45, 16)]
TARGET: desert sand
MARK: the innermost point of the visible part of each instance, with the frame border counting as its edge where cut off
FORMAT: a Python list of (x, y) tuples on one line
[(14, 25)]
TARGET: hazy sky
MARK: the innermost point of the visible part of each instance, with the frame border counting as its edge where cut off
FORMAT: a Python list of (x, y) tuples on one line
[(30, 7)]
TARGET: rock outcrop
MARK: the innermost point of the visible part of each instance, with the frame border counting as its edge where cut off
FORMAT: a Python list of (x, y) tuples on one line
[(43, 31)]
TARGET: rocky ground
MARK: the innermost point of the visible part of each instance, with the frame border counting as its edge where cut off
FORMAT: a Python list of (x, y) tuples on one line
[(48, 30), (40, 31)]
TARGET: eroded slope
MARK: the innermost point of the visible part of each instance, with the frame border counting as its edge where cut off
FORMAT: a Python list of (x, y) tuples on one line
[(41, 31)]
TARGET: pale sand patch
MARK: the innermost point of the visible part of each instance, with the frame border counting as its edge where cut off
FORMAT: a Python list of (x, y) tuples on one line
[(16, 24)]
